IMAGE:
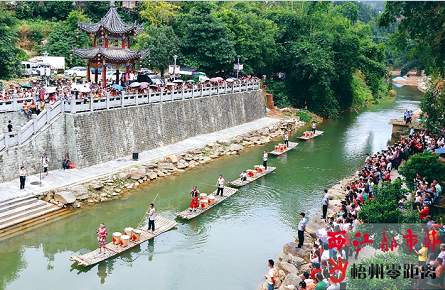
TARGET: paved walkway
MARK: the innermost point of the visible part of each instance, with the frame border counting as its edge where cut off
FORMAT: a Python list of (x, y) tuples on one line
[(64, 178)]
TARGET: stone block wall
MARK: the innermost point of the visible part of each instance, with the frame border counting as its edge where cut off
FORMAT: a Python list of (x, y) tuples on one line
[(95, 137), (52, 141), (17, 118)]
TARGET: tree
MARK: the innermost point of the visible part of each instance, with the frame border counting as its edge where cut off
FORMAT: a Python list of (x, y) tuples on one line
[(159, 13), (9, 63), (207, 43), (387, 259), (63, 38), (163, 44), (385, 207), (254, 38), (426, 165)]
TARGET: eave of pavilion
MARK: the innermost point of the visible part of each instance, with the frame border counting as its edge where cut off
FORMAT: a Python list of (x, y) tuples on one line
[(111, 55), (112, 23)]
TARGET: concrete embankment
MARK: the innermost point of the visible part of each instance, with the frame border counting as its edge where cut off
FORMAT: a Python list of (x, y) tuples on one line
[(98, 137), (188, 153)]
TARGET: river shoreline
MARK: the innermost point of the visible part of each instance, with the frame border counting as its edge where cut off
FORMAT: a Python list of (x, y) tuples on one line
[(119, 182)]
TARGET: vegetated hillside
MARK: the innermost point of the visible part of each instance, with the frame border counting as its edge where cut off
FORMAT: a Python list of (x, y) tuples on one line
[(320, 54)]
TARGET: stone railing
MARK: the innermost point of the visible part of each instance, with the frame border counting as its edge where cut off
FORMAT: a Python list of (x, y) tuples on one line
[(13, 104), (126, 100), (37, 122)]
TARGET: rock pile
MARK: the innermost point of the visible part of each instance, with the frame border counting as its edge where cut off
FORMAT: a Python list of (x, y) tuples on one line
[(109, 187)]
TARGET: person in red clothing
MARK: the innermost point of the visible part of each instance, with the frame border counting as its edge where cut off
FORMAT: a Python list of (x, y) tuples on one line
[(195, 196), (425, 210), (102, 237), (315, 270)]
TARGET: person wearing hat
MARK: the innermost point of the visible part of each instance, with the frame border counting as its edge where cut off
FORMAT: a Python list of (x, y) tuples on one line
[(301, 229), (325, 202), (102, 237)]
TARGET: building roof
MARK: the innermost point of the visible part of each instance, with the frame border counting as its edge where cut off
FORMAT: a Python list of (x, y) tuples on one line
[(120, 54), (113, 23)]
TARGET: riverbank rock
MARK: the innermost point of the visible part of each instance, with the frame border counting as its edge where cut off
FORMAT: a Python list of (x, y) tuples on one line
[(223, 142), (124, 175), (65, 197), (168, 166), (235, 147), (136, 173), (287, 267), (291, 279), (181, 165), (97, 185), (172, 159), (152, 175), (291, 248)]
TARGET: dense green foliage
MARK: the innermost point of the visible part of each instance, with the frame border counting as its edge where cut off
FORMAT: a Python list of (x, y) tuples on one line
[(387, 259), (419, 35), (426, 165), (328, 51), (9, 52), (385, 207)]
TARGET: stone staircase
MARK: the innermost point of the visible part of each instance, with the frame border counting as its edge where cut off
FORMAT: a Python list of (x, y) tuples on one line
[(24, 210)]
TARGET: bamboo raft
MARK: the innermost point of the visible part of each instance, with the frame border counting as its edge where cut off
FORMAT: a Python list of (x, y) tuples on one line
[(188, 215), (249, 179), (292, 145), (94, 257), (317, 133)]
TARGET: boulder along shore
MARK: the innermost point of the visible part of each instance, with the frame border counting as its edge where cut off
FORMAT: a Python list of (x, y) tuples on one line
[(119, 183)]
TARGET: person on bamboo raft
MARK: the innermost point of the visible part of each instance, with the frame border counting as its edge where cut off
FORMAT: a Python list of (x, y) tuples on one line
[(102, 237), (195, 197)]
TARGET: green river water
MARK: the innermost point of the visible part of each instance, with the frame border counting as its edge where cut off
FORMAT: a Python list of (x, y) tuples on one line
[(226, 247)]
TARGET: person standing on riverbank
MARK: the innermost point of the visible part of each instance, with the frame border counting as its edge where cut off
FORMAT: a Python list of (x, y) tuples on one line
[(271, 275), (325, 202), (301, 229), (220, 183), (22, 178), (152, 216), (44, 162), (265, 160)]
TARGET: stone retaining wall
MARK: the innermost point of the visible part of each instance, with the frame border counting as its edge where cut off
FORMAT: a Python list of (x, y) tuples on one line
[(96, 137)]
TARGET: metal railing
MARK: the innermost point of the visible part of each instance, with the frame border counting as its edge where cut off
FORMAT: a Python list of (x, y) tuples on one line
[(37, 122)]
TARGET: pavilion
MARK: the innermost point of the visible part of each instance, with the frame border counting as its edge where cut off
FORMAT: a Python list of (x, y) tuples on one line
[(111, 45)]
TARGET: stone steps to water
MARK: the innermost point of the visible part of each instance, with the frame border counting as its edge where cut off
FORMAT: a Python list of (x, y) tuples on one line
[(23, 209), (34, 223), (10, 201)]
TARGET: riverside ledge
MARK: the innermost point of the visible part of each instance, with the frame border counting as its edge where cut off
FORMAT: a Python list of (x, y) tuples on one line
[(64, 178)]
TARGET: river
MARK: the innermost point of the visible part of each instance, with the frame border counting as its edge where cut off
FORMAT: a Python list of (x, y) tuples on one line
[(225, 248)]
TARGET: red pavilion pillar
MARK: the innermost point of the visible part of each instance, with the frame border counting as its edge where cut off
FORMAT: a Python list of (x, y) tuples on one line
[(88, 72), (104, 76)]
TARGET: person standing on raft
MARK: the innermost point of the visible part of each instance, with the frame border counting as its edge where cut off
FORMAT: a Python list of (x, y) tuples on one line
[(243, 175), (286, 139), (265, 160), (220, 183), (195, 195), (314, 125), (102, 237), (151, 217)]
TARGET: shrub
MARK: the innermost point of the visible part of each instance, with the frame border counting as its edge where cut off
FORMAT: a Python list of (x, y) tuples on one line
[(426, 165), (304, 116)]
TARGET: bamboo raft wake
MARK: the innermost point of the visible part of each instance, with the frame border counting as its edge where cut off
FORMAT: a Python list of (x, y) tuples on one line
[(161, 224), (188, 215), (292, 145), (249, 179), (317, 133)]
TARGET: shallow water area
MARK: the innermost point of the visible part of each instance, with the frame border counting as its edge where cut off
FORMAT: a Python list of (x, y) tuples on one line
[(226, 247)]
